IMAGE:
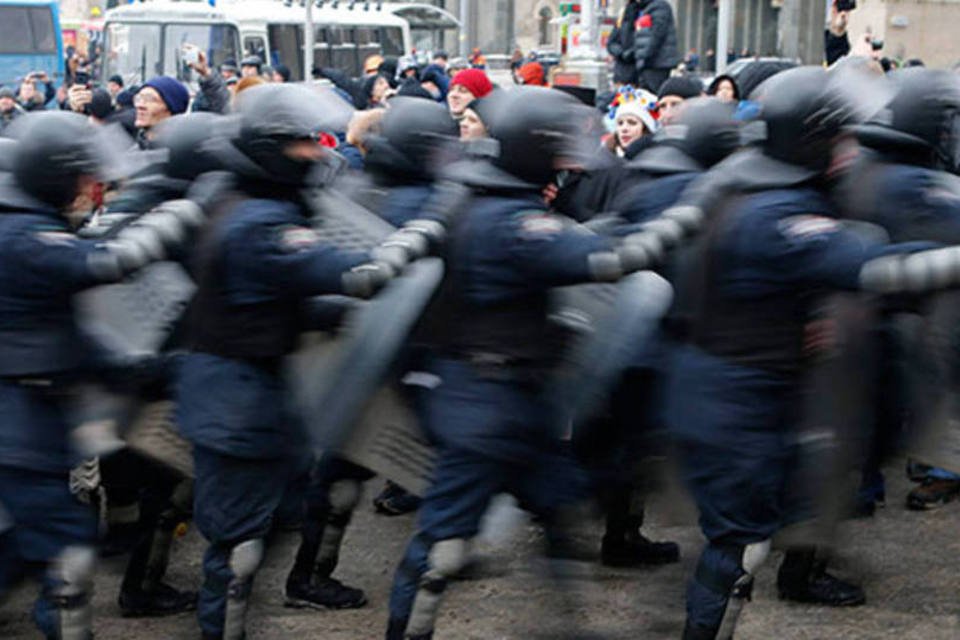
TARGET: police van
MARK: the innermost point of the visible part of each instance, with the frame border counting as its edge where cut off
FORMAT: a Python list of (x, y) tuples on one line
[(145, 39)]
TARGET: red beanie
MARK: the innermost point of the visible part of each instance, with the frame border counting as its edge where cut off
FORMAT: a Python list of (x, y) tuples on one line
[(474, 80), (532, 74)]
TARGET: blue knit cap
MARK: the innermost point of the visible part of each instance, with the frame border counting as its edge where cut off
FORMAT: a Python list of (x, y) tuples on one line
[(171, 91)]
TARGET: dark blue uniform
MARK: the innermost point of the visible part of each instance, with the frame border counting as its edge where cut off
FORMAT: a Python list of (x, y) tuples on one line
[(259, 264), (487, 417), (42, 356), (405, 203), (734, 394)]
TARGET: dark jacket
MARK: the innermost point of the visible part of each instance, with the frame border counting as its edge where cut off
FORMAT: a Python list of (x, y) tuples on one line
[(655, 36), (620, 46), (213, 96)]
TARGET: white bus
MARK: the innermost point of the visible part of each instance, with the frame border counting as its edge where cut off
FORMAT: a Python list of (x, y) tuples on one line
[(345, 32), (143, 39)]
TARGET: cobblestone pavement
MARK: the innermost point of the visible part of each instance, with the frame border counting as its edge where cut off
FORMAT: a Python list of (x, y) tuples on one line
[(908, 562)]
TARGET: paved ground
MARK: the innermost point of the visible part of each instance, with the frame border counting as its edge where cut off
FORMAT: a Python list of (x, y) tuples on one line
[(909, 563)]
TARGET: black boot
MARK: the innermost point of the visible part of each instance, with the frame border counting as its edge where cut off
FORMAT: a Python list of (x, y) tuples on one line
[(323, 593), (637, 550), (162, 600), (143, 593), (803, 578), (691, 632), (394, 500)]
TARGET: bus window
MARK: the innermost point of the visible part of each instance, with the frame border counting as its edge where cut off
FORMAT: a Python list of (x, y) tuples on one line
[(391, 41), (368, 42), (254, 46), (343, 50), (217, 41), (286, 42), (26, 30), (132, 51)]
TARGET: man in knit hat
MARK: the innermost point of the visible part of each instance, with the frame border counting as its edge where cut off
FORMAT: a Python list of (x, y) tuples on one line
[(673, 93), (158, 99), (467, 86), (9, 109)]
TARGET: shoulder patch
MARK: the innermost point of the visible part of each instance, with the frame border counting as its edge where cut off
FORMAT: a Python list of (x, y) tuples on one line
[(807, 226), (540, 224), (294, 238), (55, 238)]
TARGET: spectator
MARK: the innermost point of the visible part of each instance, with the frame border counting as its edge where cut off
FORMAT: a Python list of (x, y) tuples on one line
[(634, 115), (435, 80), (376, 88), (125, 114), (9, 109), (250, 66), (620, 45), (655, 43), (476, 119), (407, 68), (29, 98), (692, 61), (158, 99), (836, 43), (228, 70), (440, 59), (477, 59), (214, 96), (281, 73), (115, 86), (467, 86), (724, 88), (673, 93), (531, 74)]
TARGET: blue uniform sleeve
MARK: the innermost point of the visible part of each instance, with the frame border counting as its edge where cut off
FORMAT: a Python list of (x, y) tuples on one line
[(810, 251), (550, 251), (292, 260), (53, 260)]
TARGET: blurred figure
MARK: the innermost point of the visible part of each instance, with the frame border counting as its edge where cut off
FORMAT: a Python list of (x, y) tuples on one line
[(474, 125), (477, 59), (9, 109), (489, 342), (281, 73), (673, 93), (47, 479), (465, 87), (836, 43), (435, 81), (250, 67), (440, 59), (725, 89), (158, 99), (115, 85), (691, 63), (228, 70), (531, 74), (30, 98)]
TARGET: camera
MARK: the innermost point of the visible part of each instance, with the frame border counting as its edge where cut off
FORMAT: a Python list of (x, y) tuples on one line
[(82, 77), (846, 5), (190, 55)]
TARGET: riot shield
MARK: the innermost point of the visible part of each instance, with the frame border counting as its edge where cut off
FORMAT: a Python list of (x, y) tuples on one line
[(611, 325), (838, 418), (934, 387)]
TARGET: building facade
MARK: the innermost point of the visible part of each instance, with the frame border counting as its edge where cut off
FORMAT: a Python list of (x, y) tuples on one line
[(910, 29)]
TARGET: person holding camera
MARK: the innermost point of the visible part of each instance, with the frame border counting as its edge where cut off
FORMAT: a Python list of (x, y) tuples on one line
[(213, 96), (29, 97), (836, 43)]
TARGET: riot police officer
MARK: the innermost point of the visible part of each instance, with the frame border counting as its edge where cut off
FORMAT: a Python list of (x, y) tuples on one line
[(613, 447), (158, 497), (904, 180), (769, 244), (258, 262), (491, 345), (43, 356), (404, 158)]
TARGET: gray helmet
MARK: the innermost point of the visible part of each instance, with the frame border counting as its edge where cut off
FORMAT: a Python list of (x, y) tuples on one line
[(55, 148), (271, 117), (414, 134), (704, 133), (921, 124), (186, 138)]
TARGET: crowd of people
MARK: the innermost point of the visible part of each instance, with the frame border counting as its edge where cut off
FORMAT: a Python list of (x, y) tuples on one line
[(735, 193)]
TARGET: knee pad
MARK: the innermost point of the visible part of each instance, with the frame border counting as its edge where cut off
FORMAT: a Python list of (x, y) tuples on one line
[(344, 496), (445, 560), (754, 555), (245, 559), (72, 575), (751, 558)]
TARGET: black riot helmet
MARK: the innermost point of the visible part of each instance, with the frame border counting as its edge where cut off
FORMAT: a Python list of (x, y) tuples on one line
[(804, 110), (704, 133), (55, 148), (271, 117), (415, 136), (535, 128), (186, 138), (8, 149), (921, 124)]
